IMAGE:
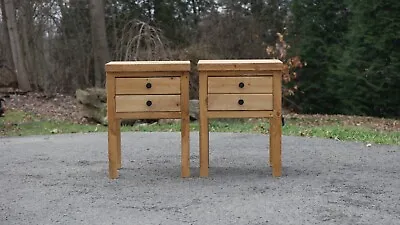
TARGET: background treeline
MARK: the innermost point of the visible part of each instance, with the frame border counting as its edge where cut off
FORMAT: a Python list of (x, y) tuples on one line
[(341, 56)]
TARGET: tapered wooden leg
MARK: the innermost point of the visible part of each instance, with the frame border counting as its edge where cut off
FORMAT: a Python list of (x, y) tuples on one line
[(185, 127), (113, 129), (185, 145), (270, 143), (276, 146), (204, 152), (204, 135), (113, 149), (276, 126), (118, 130)]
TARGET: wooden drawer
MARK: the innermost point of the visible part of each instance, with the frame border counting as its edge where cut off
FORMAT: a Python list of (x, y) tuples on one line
[(149, 86), (240, 102), (148, 103), (240, 84)]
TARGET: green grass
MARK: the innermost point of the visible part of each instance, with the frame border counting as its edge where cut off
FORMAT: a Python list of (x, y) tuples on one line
[(348, 133), (18, 123)]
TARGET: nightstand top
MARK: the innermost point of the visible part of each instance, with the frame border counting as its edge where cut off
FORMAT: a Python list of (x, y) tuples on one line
[(240, 64), (147, 66)]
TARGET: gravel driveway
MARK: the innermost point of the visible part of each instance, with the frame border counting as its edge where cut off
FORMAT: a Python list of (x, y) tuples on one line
[(62, 179)]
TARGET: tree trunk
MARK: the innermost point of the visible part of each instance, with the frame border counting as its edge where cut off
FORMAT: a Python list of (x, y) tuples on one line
[(7, 46), (99, 40), (29, 52), (18, 57)]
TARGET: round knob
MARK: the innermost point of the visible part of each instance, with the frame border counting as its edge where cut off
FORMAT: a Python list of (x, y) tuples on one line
[(240, 102), (149, 103), (148, 85), (241, 85)]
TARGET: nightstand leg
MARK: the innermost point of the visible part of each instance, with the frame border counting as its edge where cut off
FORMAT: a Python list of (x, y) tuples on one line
[(185, 155), (271, 156), (113, 129), (204, 148), (276, 125), (118, 130), (112, 149), (185, 127), (276, 146), (204, 135)]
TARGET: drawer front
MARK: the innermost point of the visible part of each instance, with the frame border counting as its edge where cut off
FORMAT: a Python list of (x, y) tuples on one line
[(240, 102), (147, 103), (240, 84), (151, 85)]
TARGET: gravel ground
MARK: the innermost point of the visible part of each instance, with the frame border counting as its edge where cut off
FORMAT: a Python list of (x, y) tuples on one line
[(62, 179)]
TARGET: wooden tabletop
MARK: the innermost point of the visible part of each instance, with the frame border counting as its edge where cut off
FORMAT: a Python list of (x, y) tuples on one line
[(147, 66), (239, 64)]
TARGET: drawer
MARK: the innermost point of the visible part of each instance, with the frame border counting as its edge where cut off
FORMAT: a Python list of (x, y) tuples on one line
[(151, 85), (240, 84), (147, 103), (240, 102)]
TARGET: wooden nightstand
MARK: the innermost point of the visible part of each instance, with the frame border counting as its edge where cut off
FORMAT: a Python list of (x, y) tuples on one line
[(241, 89), (147, 90)]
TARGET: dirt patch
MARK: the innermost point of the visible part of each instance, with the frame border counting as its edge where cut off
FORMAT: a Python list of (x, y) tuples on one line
[(56, 106), (379, 124)]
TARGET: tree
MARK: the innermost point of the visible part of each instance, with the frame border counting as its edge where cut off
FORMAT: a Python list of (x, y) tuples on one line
[(18, 57), (99, 40), (369, 67), (7, 53), (316, 33)]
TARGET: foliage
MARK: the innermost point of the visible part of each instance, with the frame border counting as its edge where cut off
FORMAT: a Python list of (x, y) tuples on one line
[(341, 56), (351, 53), (62, 59), (315, 34), (70, 47), (243, 28), (289, 74), (368, 71)]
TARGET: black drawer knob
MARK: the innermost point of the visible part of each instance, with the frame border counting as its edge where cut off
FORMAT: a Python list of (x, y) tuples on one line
[(149, 103), (241, 85), (148, 85), (241, 102)]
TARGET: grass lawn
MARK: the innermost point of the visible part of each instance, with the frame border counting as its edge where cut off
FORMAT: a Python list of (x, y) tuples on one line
[(18, 123)]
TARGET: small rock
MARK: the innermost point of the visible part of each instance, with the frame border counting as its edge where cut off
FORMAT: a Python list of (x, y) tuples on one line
[(168, 121)]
